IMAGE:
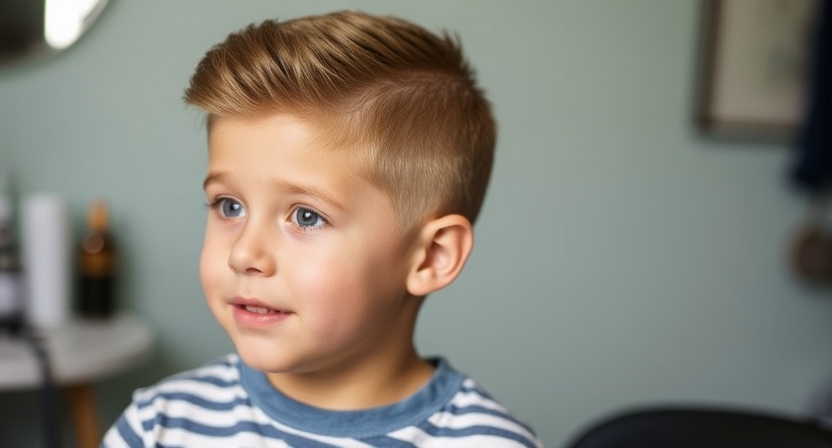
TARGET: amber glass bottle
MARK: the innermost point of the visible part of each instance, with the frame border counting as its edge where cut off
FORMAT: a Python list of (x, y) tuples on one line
[(98, 265), (11, 291)]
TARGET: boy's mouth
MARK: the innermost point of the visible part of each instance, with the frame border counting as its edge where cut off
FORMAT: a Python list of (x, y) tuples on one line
[(254, 313), (255, 306), (259, 309)]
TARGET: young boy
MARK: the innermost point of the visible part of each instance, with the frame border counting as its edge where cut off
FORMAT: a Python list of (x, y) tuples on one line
[(349, 155)]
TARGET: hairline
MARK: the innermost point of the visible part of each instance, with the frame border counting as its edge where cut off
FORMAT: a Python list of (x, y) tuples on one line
[(329, 135)]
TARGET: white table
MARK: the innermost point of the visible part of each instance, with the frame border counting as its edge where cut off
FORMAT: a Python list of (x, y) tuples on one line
[(80, 353)]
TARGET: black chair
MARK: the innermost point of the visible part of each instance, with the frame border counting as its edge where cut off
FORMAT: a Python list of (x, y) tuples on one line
[(701, 427)]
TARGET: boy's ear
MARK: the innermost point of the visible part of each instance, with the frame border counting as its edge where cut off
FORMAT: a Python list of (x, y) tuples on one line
[(443, 247)]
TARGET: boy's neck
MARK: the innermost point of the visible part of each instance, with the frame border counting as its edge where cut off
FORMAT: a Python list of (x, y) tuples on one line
[(376, 383)]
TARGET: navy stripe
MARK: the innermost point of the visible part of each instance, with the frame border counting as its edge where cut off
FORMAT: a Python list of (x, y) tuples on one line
[(195, 400), (213, 380), (477, 409), (241, 427), (127, 434), (479, 430), (388, 442)]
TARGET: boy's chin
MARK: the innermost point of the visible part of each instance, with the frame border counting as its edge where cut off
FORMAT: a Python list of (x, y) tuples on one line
[(270, 359), (264, 359), (265, 364)]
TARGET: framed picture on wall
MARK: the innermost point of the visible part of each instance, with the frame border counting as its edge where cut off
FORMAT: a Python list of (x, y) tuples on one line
[(753, 63)]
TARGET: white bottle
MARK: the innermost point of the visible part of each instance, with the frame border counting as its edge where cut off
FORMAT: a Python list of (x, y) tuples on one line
[(46, 232)]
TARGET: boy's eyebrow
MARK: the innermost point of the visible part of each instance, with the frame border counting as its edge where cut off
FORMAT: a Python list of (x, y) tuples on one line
[(212, 178), (291, 188), (308, 190)]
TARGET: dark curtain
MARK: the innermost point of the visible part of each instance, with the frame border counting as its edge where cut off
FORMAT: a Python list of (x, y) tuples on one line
[(812, 168)]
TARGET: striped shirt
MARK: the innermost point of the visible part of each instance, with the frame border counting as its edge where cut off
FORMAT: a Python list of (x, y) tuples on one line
[(228, 404)]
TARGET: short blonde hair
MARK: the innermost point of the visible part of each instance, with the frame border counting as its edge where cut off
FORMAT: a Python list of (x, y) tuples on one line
[(403, 99)]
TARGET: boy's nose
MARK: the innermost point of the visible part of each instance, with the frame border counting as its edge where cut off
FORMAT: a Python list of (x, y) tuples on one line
[(252, 253)]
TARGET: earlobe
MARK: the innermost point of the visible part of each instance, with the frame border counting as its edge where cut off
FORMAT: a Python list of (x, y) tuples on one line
[(443, 248)]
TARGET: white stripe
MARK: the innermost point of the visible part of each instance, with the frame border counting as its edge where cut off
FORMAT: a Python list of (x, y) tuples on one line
[(423, 440), (206, 391), (113, 440), (461, 421), (469, 383), (191, 411), (181, 437), (224, 419), (224, 369), (209, 417), (472, 398), (337, 441)]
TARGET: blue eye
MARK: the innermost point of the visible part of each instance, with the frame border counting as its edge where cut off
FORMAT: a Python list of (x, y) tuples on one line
[(229, 208), (305, 218)]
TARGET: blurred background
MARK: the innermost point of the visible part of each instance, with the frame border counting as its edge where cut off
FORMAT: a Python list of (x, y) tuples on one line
[(623, 256)]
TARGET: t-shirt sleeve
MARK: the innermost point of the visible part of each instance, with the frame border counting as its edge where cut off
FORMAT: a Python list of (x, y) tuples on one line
[(127, 431)]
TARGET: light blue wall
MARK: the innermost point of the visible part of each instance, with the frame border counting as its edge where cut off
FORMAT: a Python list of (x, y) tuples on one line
[(620, 258)]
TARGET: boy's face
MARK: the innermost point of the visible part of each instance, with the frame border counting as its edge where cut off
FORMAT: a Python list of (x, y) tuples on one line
[(303, 263)]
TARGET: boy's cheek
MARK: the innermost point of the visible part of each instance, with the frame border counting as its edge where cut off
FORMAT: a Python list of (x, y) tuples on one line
[(210, 263)]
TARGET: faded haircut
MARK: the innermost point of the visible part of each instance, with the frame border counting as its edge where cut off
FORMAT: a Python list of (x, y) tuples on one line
[(402, 99)]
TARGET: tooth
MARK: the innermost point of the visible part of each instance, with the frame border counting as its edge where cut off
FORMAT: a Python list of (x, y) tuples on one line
[(257, 309)]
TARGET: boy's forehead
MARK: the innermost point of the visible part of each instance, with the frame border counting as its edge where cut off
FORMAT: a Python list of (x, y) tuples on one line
[(312, 134), (230, 137), (240, 126)]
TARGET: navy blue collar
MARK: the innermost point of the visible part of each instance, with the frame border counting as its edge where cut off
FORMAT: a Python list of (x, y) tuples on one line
[(442, 386)]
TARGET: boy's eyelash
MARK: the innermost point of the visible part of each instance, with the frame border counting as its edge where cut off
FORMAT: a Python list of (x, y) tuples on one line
[(326, 221), (215, 203)]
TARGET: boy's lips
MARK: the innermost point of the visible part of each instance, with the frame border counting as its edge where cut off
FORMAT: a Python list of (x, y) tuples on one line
[(255, 304), (256, 313)]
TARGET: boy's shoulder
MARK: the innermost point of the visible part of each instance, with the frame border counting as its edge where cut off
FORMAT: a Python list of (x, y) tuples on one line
[(472, 406), (217, 380)]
